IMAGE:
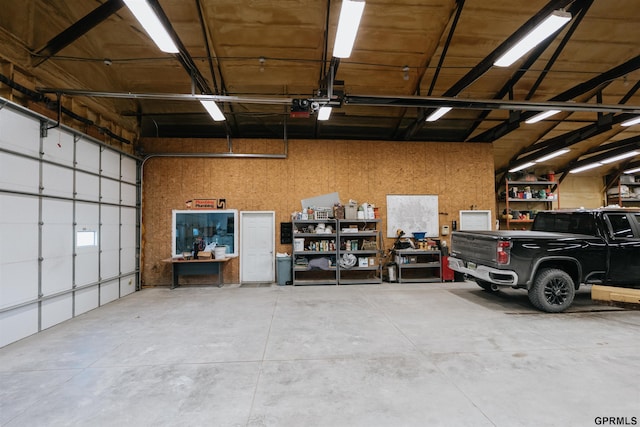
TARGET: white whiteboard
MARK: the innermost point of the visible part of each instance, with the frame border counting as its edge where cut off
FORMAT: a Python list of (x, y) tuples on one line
[(411, 213)]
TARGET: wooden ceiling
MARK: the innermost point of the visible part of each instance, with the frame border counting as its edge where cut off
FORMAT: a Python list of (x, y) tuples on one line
[(409, 57)]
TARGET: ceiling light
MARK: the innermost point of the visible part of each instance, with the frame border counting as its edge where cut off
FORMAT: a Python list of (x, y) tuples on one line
[(324, 113), (541, 116), (348, 24), (586, 167), (152, 25), (552, 155), (524, 166), (634, 170), (620, 157), (438, 113), (212, 108), (550, 25), (631, 122)]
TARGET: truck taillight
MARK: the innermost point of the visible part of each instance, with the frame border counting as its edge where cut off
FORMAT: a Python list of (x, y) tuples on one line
[(504, 252)]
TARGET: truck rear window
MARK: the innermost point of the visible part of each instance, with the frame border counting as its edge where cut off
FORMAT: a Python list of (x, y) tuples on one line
[(565, 223)]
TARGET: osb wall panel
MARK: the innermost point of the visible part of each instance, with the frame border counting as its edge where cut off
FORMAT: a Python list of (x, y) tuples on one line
[(461, 174), (582, 191)]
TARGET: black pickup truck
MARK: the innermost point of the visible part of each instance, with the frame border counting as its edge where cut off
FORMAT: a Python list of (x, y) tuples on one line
[(565, 248)]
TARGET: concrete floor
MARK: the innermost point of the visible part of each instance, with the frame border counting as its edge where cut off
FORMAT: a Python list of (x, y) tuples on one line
[(443, 354)]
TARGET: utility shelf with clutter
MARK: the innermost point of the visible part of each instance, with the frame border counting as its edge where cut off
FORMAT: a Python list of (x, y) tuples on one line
[(314, 252), (419, 261), (359, 251), (524, 197)]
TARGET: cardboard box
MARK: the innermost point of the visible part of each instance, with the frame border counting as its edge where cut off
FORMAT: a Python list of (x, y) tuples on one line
[(204, 255), (363, 262)]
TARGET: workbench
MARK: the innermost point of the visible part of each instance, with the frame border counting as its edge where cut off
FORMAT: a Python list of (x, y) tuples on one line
[(199, 267)]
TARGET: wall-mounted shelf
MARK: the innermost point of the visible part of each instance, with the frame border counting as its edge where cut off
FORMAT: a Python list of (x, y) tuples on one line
[(626, 192), (526, 198)]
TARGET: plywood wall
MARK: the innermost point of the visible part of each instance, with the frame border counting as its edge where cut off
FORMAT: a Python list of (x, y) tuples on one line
[(582, 192), (461, 174)]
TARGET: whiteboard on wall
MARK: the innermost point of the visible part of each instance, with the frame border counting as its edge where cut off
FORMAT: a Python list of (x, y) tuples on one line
[(475, 220), (411, 213)]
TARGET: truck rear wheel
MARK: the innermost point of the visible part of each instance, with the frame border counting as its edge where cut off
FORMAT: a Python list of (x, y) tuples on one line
[(553, 290)]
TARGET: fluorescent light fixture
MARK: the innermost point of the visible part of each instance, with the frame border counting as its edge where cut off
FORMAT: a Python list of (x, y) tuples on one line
[(438, 113), (552, 155), (212, 108), (620, 157), (524, 166), (550, 25), (541, 116), (634, 170), (586, 167), (348, 24), (324, 113), (152, 25), (631, 122)]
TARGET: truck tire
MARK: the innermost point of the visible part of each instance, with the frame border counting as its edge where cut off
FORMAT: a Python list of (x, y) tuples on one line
[(485, 285), (553, 290)]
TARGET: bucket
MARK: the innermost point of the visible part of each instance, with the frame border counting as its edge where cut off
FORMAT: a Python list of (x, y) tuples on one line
[(219, 252), (298, 244)]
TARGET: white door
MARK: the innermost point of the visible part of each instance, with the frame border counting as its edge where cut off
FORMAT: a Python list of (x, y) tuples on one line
[(257, 246)]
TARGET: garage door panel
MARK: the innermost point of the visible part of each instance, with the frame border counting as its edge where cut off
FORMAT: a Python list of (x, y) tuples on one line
[(57, 228), (57, 181), (19, 173), (109, 191), (19, 242), (110, 164), (127, 285), (86, 268), (109, 291), (87, 186), (57, 275), (129, 170), (18, 282), (57, 310), (87, 155), (128, 260), (109, 263), (87, 299), (58, 147), (19, 132), (128, 194), (18, 323)]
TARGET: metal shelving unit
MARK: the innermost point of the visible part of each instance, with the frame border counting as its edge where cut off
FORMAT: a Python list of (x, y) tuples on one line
[(362, 239), (629, 198), (314, 246), (418, 265)]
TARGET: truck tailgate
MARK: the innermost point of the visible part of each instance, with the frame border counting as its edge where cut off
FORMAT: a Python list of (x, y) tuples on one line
[(474, 246)]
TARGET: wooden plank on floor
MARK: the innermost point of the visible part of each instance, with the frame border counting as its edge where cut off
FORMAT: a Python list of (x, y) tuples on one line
[(629, 298)]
